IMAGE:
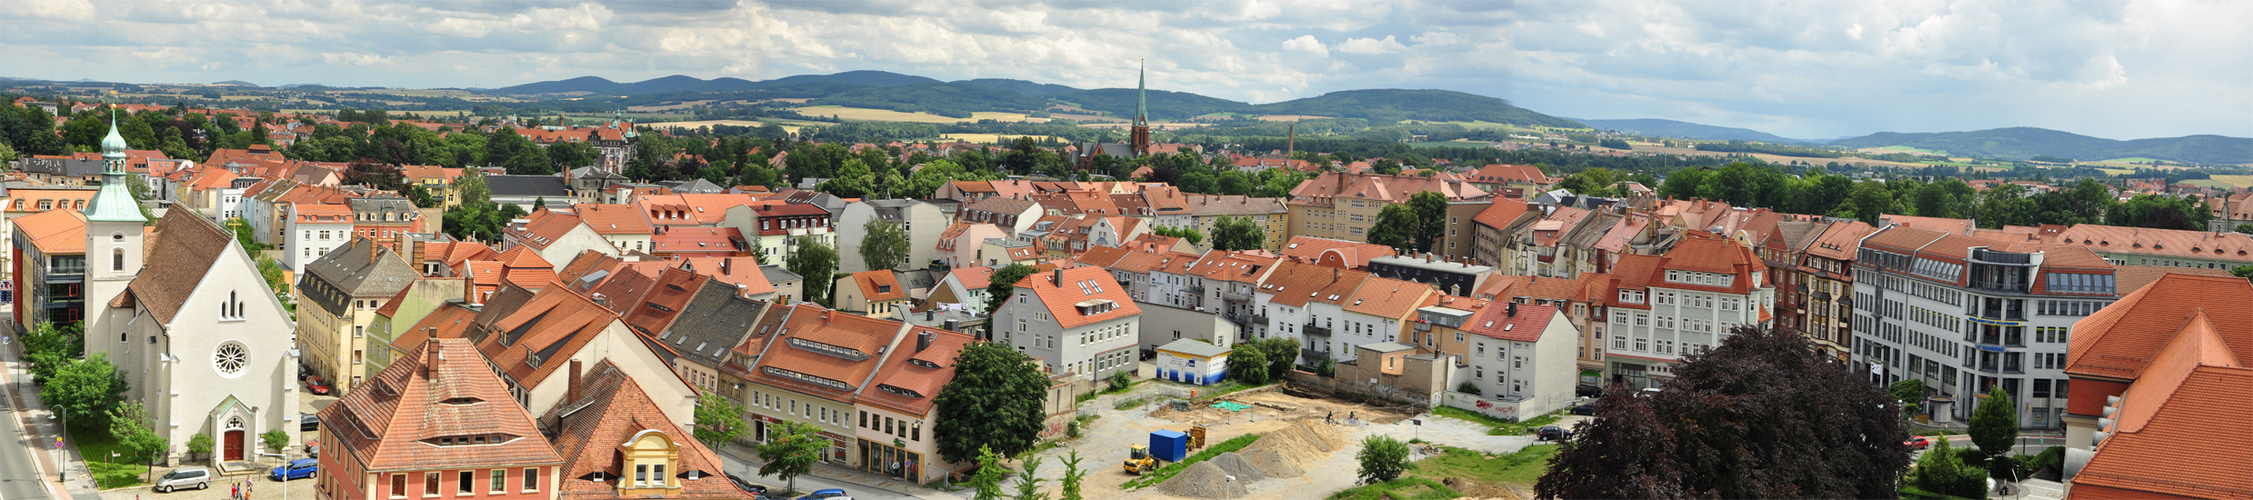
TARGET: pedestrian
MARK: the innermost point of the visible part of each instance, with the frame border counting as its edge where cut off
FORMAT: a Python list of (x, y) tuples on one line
[(1351, 418), (1330, 418), (236, 492)]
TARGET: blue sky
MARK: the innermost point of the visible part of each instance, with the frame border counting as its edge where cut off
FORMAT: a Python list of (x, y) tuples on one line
[(1800, 69)]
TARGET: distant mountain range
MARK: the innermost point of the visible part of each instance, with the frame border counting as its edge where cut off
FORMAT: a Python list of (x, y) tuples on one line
[(1686, 130), (2020, 143), (886, 90)]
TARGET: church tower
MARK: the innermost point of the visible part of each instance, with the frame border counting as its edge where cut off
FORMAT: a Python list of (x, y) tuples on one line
[(1139, 137), (113, 242)]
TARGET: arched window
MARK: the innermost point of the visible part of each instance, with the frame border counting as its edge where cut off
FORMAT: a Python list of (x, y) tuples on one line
[(117, 259)]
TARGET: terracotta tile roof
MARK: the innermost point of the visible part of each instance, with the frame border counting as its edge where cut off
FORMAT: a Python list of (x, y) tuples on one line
[(1495, 321), (1840, 241), (1902, 240), (2192, 397), (1101, 256), (438, 393), (2160, 242), (1321, 190), (613, 409), (1336, 252), (1062, 290), (530, 342), (449, 320), (1235, 205), (1239, 267), (614, 220), (544, 227), (1623, 232), (1552, 229), (2121, 340), (1388, 298), (824, 353), (2129, 279), (185, 246), (55, 232), (1702, 252), (1152, 242), (1294, 284), (667, 296), (920, 371), (878, 286), (973, 278), (1507, 173), (1140, 261), (391, 306), (1959, 227), (698, 240), (740, 272)]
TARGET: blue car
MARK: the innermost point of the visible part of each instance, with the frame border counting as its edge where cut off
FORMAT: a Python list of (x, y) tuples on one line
[(827, 494), (299, 468)]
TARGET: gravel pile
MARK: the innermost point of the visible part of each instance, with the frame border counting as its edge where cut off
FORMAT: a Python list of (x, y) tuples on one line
[(1286, 452), (1237, 466), (1203, 480)]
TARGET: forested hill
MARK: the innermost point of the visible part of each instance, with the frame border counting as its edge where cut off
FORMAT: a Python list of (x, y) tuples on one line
[(2026, 142)]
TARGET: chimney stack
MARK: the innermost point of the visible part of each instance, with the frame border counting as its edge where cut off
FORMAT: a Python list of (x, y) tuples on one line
[(1058, 278), (1512, 310), (430, 358), (571, 391), (922, 340), (372, 250)]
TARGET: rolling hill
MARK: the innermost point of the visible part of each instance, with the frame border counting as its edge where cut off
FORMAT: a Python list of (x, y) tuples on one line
[(1393, 105), (1020, 86), (1686, 130), (681, 83), (2025, 142)]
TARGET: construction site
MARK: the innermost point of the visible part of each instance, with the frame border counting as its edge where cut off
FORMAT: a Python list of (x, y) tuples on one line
[(1306, 445)]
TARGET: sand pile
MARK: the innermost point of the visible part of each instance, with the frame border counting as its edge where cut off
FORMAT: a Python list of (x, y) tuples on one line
[(1286, 452), (1237, 466), (1203, 480)]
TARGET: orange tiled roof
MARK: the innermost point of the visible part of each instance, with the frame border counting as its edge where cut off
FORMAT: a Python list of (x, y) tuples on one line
[(409, 416), (874, 283), (544, 227), (614, 219), (1495, 321), (1346, 253), (2191, 396), (919, 370), (835, 351), (613, 409), (55, 232), (1388, 298), (1294, 284), (1060, 291)]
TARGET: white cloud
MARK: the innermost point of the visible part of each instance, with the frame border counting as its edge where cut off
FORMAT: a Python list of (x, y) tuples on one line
[(1371, 46), (1307, 44)]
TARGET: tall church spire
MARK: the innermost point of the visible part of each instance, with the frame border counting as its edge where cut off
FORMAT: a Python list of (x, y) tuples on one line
[(1141, 102), (1138, 138)]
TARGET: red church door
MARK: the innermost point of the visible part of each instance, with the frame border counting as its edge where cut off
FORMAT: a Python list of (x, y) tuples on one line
[(234, 445)]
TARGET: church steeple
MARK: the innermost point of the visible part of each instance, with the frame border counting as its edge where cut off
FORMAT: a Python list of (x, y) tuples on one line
[(114, 203), (1138, 138)]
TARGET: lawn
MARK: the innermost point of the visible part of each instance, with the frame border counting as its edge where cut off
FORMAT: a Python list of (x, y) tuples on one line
[(1523, 467), (1167, 471), (1405, 488), (96, 446), (1499, 427), (886, 115), (1450, 144)]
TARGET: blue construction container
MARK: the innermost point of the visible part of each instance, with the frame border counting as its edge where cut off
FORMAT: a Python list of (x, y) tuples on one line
[(1170, 446)]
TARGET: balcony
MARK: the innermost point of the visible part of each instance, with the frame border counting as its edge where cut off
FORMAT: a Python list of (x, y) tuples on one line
[(1198, 290), (1317, 331), (1233, 296), (1309, 355)]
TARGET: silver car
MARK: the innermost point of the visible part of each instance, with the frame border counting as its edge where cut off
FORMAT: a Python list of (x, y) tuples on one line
[(184, 477)]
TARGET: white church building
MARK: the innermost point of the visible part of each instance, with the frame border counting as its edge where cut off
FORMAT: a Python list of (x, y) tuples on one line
[(205, 345)]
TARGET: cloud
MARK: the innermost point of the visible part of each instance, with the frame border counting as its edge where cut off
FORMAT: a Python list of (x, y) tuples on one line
[(1828, 69), (1369, 46), (1307, 44)]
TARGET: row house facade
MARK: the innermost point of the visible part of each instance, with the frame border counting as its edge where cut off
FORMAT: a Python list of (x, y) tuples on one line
[(1813, 262), (1668, 306)]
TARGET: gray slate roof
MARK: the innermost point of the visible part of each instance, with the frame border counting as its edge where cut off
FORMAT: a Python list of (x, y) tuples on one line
[(348, 269), (1194, 347), (714, 321), (776, 274), (527, 186)]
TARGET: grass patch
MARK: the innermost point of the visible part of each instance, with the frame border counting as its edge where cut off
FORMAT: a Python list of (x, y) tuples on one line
[(1167, 471), (1227, 388), (1499, 427), (1405, 488), (1523, 467), (1908, 491), (96, 446), (1938, 433), (1129, 404)]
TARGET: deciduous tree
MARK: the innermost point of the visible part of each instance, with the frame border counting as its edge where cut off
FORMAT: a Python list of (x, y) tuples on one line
[(1994, 423), (1073, 475), (1002, 283), (1431, 219), (1247, 364), (84, 390), (1622, 453), (718, 420), (1382, 458), (994, 400), (792, 449), (1396, 228), (815, 261), (884, 245), (1238, 233)]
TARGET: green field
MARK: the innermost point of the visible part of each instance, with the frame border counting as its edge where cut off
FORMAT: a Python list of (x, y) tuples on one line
[(2236, 180), (2115, 171), (2132, 159), (1907, 149), (1450, 144)]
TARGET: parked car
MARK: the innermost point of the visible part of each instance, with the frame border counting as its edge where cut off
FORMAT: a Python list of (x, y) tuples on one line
[(747, 486), (1918, 442), (184, 477), (1648, 391), (313, 448), (827, 494), (296, 469), (1589, 391), (309, 423), (315, 384), (1553, 433), (1588, 408)]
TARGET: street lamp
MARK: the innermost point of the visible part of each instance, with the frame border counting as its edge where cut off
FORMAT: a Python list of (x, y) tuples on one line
[(285, 473), (1228, 488)]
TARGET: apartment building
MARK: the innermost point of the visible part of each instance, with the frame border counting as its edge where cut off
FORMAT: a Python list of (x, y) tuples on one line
[(1667, 306), (1076, 320), (1343, 206), (1966, 314), (1813, 262)]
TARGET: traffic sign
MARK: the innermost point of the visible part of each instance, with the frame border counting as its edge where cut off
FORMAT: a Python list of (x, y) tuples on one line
[(58, 442)]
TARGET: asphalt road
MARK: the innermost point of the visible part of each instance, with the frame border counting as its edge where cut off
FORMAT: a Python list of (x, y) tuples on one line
[(807, 483), (19, 476)]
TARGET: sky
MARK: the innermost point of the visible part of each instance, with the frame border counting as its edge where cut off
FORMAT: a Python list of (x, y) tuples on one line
[(2119, 70)]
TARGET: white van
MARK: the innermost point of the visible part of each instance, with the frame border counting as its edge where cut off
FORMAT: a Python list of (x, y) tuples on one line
[(184, 477)]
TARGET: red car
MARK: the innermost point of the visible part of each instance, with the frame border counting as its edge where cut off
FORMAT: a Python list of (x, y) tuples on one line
[(1918, 442), (315, 384)]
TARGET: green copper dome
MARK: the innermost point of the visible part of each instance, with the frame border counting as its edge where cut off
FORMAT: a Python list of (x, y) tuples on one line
[(114, 144)]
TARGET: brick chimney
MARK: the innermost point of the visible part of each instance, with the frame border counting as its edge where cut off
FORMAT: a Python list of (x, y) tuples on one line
[(430, 359), (571, 391)]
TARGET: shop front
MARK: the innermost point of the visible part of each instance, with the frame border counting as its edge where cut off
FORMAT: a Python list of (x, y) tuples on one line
[(890, 459)]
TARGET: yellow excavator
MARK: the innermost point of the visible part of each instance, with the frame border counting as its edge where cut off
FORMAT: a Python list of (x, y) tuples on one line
[(1139, 461)]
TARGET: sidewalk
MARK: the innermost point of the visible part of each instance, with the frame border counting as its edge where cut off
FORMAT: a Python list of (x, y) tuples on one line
[(38, 423), (832, 472)]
